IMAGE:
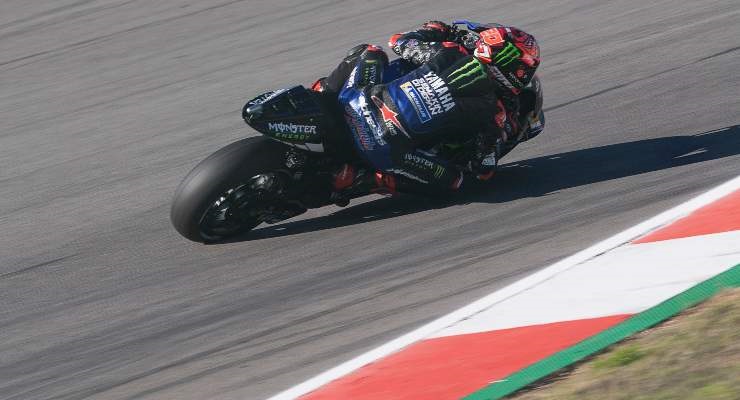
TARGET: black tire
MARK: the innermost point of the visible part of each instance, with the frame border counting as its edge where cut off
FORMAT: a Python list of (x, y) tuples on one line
[(211, 178)]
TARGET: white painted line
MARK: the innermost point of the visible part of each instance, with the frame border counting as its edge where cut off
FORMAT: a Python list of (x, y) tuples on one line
[(509, 291)]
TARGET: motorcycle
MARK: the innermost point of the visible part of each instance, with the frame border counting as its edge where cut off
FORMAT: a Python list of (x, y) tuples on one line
[(289, 169)]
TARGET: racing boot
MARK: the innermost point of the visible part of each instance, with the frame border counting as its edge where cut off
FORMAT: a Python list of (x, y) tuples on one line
[(350, 181)]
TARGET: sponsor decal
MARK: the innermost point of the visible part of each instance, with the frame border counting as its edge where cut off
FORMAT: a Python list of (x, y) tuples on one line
[(369, 72), (408, 175), (502, 79), (441, 93), (359, 128), (300, 137), (515, 79), (390, 118), (438, 171), (491, 37), (282, 127), (415, 99), (471, 72), (507, 55), (413, 159), (370, 120), (416, 161), (429, 94), (266, 96), (352, 78)]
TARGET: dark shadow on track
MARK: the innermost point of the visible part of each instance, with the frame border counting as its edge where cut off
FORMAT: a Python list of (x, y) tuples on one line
[(543, 175), (537, 177), (371, 211)]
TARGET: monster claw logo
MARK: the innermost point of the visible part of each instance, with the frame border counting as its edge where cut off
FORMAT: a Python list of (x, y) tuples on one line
[(473, 70), (389, 117), (438, 171), (507, 55), (370, 72)]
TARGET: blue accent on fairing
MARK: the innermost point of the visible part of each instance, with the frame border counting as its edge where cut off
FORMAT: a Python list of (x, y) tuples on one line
[(396, 69), (414, 97), (368, 141), (393, 70), (474, 26), (411, 106)]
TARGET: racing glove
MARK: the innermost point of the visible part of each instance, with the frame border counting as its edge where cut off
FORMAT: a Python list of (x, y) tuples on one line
[(423, 41), (437, 31)]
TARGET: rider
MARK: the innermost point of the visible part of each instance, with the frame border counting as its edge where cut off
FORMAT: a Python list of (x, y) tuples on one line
[(460, 87)]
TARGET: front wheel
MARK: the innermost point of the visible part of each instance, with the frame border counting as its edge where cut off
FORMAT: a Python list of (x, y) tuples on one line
[(216, 200)]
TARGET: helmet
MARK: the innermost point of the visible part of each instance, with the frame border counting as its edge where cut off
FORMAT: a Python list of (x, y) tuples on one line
[(512, 55)]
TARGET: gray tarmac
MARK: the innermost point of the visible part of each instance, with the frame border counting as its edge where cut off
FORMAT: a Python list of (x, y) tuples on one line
[(105, 105)]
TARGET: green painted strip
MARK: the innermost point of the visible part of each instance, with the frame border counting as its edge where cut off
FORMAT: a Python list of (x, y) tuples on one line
[(600, 341)]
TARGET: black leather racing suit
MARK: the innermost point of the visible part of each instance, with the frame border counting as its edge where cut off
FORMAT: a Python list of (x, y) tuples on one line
[(480, 110)]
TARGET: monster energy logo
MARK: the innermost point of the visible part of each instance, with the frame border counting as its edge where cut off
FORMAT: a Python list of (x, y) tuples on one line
[(473, 70), (438, 171), (369, 72), (507, 55)]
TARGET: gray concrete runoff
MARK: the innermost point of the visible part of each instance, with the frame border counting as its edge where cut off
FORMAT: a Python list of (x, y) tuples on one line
[(105, 106)]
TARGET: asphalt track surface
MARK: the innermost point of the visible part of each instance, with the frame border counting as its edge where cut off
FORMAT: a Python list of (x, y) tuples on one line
[(105, 106)]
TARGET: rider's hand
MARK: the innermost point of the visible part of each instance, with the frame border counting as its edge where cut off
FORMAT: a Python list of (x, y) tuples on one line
[(438, 31), (469, 40), (430, 31)]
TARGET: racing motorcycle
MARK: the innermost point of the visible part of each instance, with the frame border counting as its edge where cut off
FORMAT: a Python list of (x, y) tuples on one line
[(289, 169)]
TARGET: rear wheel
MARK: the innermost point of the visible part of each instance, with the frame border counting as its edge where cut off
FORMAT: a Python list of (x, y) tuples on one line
[(229, 192)]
